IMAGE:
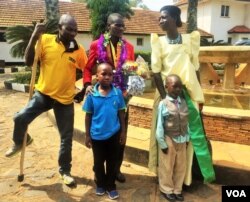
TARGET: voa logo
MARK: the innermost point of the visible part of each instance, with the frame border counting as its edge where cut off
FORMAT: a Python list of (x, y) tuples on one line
[(236, 193)]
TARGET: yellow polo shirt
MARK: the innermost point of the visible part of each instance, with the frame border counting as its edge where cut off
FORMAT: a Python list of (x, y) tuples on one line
[(58, 69)]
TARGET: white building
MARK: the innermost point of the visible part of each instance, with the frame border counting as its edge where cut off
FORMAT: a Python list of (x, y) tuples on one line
[(227, 20)]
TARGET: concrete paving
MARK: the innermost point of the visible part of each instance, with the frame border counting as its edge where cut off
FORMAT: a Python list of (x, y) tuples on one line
[(42, 181)]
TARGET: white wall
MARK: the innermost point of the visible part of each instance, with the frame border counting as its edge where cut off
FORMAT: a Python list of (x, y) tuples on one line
[(204, 16), (210, 20), (238, 37), (247, 16), (146, 42), (220, 25), (83, 39), (5, 53)]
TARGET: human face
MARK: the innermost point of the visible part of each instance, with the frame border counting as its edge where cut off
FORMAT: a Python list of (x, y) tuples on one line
[(105, 75), (166, 22), (68, 30), (117, 27), (174, 87)]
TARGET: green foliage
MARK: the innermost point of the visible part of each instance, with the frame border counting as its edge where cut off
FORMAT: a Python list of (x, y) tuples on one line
[(101, 9), (207, 42), (20, 35), (52, 9), (23, 78), (138, 4)]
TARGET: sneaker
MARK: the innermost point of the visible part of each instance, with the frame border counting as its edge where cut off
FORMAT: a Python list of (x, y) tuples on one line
[(68, 179), (16, 148), (99, 191), (113, 194)]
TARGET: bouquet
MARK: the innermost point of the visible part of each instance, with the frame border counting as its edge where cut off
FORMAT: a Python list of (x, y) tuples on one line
[(134, 74)]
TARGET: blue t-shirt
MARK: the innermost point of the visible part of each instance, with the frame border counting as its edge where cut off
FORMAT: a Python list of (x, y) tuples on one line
[(104, 110)]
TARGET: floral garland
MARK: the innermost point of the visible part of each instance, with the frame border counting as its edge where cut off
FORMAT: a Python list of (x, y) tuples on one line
[(103, 42)]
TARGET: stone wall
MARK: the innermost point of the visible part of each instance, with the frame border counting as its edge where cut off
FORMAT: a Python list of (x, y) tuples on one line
[(140, 117), (226, 129)]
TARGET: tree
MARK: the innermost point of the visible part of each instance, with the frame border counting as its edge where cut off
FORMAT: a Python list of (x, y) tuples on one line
[(192, 15), (19, 35), (138, 4), (52, 9), (101, 9)]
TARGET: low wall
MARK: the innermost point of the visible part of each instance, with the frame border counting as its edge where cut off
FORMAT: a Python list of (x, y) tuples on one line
[(232, 126)]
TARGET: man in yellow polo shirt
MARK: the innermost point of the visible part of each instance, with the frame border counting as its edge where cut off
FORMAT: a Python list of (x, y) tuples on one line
[(59, 58)]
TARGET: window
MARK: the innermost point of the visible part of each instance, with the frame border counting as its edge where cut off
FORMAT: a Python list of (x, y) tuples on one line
[(139, 41), (2, 37), (229, 40), (224, 11)]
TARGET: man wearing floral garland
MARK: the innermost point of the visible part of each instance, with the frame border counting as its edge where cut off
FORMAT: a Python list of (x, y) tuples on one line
[(114, 49)]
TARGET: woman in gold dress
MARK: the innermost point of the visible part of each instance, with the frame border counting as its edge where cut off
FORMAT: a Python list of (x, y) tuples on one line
[(177, 53)]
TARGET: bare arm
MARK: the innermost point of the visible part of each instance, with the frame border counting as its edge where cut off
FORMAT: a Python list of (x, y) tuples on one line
[(160, 85), (88, 118), (30, 49), (123, 137)]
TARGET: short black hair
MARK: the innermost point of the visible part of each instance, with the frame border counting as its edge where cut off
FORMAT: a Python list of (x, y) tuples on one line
[(102, 63), (65, 18), (112, 17), (175, 76), (174, 12)]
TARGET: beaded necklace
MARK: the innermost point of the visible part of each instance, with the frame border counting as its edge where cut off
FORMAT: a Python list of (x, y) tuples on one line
[(177, 40), (104, 52)]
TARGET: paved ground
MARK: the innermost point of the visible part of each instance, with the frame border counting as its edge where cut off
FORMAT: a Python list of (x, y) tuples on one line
[(42, 181)]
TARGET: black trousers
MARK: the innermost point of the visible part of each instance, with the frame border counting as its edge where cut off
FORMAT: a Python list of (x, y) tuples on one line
[(64, 115), (106, 151)]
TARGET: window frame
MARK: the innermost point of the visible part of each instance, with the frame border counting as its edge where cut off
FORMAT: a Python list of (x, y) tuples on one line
[(224, 12), (141, 41)]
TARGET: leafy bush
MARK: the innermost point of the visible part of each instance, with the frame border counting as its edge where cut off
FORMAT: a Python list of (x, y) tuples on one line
[(209, 42), (23, 78)]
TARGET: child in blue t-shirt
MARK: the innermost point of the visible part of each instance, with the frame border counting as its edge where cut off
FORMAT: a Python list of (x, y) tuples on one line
[(105, 128)]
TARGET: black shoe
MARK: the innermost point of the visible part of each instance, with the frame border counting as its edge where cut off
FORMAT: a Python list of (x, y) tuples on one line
[(169, 197), (16, 148), (120, 177), (179, 197)]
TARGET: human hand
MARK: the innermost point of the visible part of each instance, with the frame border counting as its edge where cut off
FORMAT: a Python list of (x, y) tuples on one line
[(88, 142), (165, 151), (89, 90), (123, 138), (39, 29), (79, 96)]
